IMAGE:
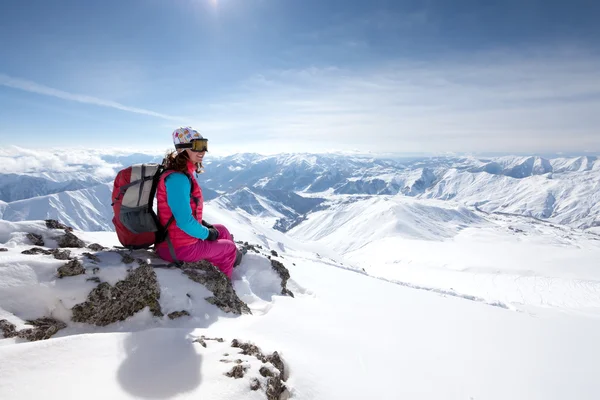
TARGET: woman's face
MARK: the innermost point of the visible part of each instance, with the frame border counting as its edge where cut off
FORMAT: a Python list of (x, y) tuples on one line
[(195, 156)]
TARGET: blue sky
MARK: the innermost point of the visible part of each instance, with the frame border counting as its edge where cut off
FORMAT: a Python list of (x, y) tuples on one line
[(289, 75)]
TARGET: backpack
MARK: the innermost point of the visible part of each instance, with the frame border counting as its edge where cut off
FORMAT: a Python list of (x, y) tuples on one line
[(134, 218), (136, 223)]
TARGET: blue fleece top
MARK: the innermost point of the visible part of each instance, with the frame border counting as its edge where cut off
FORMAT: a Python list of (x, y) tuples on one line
[(178, 198)]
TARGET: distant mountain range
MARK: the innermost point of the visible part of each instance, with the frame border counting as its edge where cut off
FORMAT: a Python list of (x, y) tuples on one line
[(287, 187)]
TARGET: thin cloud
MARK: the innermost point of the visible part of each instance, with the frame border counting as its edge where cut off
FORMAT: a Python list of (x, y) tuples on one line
[(32, 87), (500, 102), (14, 159)]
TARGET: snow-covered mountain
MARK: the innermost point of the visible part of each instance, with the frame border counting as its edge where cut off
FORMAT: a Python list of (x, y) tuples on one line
[(509, 259), (14, 187), (282, 209), (28, 176), (86, 209), (569, 197), (560, 190)]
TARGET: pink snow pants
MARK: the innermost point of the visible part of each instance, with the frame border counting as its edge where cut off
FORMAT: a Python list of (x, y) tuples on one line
[(221, 253)]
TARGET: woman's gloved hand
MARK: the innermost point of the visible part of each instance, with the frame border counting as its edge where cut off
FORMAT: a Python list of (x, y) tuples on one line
[(213, 234)]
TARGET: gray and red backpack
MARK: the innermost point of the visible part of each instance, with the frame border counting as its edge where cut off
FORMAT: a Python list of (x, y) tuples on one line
[(135, 220)]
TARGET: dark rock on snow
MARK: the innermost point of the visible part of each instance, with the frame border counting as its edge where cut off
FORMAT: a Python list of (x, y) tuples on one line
[(126, 257), (245, 247), (237, 372), (284, 274), (61, 254), (36, 239), (275, 385), (224, 296), (92, 257), (96, 247), (58, 254), (72, 268), (69, 240), (43, 328), (107, 304), (7, 329), (54, 224), (178, 314), (202, 340), (254, 384)]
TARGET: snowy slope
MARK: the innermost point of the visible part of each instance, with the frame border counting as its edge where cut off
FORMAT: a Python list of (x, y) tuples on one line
[(570, 198), (505, 259), (582, 163), (255, 204), (15, 187), (279, 209), (345, 335), (86, 209), (519, 167), (349, 224)]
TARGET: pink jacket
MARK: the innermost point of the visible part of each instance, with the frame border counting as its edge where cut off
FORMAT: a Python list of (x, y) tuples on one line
[(178, 237)]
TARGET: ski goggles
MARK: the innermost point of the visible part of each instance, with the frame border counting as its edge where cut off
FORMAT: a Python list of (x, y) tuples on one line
[(197, 145)]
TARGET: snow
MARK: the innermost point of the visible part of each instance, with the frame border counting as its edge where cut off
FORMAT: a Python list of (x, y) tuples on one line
[(567, 198), (512, 260), (88, 209), (583, 163), (346, 335), (435, 297), (350, 224), (560, 190)]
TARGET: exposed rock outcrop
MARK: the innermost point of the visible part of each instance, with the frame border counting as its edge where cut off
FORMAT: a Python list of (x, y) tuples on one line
[(237, 371), (273, 369), (178, 314), (224, 296), (96, 247), (284, 274), (36, 239), (43, 328), (72, 268), (58, 254), (107, 304), (126, 257), (245, 247), (69, 240), (54, 224), (202, 340)]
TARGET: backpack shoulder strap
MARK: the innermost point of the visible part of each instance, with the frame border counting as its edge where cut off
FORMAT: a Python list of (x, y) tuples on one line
[(196, 200)]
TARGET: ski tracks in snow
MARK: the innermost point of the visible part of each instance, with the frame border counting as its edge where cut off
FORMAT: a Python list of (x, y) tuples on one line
[(440, 291)]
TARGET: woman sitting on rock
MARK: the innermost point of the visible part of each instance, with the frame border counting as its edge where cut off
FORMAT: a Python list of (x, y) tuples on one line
[(180, 205)]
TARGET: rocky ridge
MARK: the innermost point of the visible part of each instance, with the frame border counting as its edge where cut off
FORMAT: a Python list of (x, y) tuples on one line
[(111, 302), (106, 303)]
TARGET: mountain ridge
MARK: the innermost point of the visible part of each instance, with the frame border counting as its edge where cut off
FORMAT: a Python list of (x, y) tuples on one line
[(561, 190)]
